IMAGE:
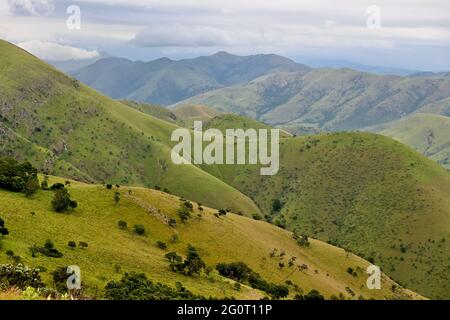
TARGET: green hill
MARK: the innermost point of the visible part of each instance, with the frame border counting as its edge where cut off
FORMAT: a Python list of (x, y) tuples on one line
[(429, 134), (232, 238), (67, 129), (329, 99), (363, 192), (166, 81)]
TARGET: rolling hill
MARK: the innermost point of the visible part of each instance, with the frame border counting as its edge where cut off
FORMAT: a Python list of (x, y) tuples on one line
[(165, 81), (329, 99), (231, 238), (429, 134), (366, 193), (67, 129)]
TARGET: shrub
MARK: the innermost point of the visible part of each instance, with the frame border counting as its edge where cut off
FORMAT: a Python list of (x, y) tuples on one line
[(222, 212), (276, 205), (62, 202), (240, 272), (20, 276), (136, 286), (313, 295), (48, 250), (117, 197), (139, 229), (122, 225), (18, 177), (192, 265), (60, 277), (161, 245), (184, 214), (109, 186), (57, 186), (83, 245), (3, 230), (72, 244), (257, 216), (172, 222)]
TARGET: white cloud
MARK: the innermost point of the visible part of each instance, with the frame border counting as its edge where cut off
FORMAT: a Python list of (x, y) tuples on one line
[(31, 7), (56, 52), (178, 35)]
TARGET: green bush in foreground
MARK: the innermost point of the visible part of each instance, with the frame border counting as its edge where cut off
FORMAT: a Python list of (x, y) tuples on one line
[(19, 276), (136, 286)]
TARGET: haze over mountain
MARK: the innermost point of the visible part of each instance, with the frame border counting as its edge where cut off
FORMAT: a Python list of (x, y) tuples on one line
[(166, 81)]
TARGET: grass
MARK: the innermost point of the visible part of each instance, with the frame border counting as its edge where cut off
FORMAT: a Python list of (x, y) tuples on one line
[(67, 129), (363, 192), (226, 239), (429, 134)]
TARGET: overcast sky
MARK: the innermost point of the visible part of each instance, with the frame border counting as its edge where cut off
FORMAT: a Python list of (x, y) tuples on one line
[(412, 34)]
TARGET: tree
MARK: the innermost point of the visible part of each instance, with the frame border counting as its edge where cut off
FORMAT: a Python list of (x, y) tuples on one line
[(62, 202), (184, 214), (72, 245), (109, 186), (313, 295), (172, 222), (18, 177), (162, 245), (3, 230), (139, 229), (276, 205), (31, 187), (83, 245), (122, 225), (117, 197)]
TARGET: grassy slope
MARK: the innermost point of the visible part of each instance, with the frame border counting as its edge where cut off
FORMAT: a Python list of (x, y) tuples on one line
[(329, 99), (194, 112), (155, 111), (364, 192), (227, 239), (427, 133), (82, 134)]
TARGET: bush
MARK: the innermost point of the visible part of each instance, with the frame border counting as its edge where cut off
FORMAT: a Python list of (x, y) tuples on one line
[(313, 295), (161, 245), (57, 186), (136, 286), (172, 222), (192, 265), (83, 245), (184, 214), (139, 229), (109, 186), (20, 276), (257, 216), (122, 225), (72, 244), (62, 202), (60, 277), (240, 272), (276, 205), (48, 250), (3, 230), (18, 177)]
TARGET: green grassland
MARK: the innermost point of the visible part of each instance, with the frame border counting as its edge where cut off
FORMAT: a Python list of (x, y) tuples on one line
[(70, 130), (429, 134), (230, 238), (363, 192)]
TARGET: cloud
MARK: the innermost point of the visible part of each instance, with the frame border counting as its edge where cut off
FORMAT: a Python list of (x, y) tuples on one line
[(56, 52), (31, 7), (178, 35)]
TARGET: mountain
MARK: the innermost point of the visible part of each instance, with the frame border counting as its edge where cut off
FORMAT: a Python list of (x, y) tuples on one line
[(429, 134), (329, 100), (69, 66), (231, 238), (165, 81), (436, 75), (363, 192), (67, 129), (340, 64)]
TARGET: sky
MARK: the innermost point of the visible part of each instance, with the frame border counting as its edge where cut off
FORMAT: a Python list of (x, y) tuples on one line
[(392, 33)]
